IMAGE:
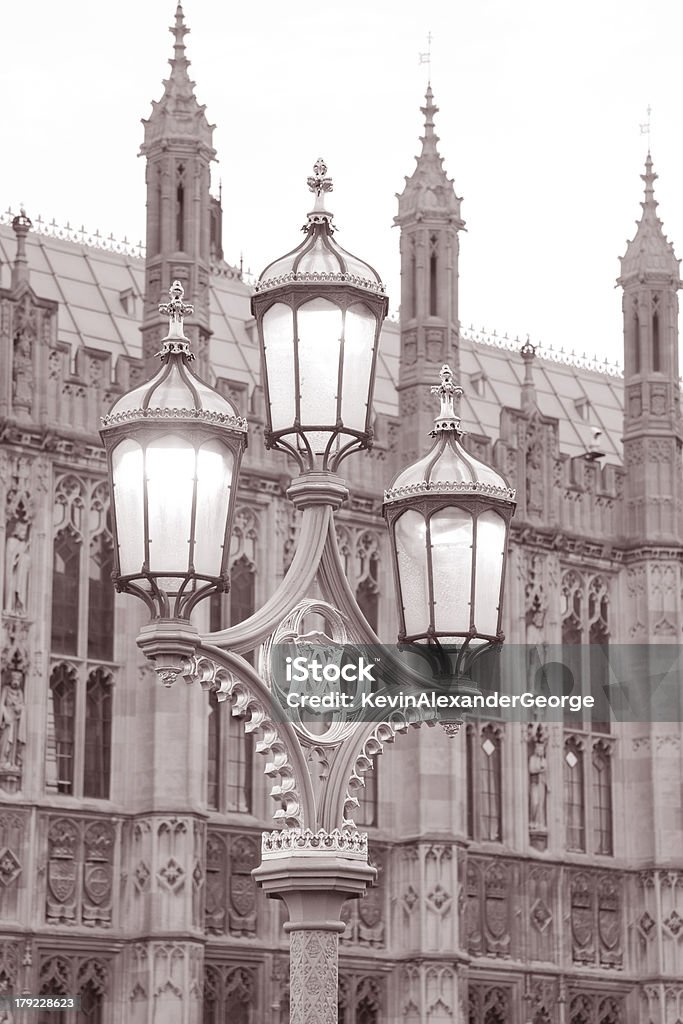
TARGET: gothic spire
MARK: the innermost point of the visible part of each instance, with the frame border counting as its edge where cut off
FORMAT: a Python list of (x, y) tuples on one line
[(649, 253), (178, 114), (429, 191)]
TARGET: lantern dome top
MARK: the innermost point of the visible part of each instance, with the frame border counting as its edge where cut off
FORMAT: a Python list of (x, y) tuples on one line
[(175, 392), (319, 259), (448, 468)]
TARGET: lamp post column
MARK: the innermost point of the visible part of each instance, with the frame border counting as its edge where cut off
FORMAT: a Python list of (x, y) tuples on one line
[(314, 873)]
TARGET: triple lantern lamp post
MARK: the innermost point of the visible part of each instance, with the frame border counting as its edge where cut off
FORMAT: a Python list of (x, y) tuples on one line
[(174, 447)]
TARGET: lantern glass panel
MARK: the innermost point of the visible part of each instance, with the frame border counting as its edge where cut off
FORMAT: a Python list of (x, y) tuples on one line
[(278, 337), (170, 465), (410, 532), (359, 342), (214, 480), (490, 558), (451, 551), (127, 476), (319, 328)]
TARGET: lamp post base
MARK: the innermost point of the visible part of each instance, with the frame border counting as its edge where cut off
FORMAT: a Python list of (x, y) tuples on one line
[(314, 873)]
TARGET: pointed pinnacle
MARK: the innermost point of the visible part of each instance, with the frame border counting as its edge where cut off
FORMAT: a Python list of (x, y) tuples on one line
[(179, 31)]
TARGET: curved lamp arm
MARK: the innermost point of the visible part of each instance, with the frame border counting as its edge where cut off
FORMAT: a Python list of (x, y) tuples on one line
[(318, 495)]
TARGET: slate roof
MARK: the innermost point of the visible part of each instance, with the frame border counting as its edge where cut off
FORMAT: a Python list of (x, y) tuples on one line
[(99, 292)]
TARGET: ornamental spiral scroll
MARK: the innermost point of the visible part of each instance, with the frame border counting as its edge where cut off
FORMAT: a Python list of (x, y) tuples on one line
[(271, 742)]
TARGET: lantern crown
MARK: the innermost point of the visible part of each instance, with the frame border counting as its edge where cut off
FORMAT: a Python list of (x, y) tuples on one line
[(175, 392), (320, 260), (448, 467)]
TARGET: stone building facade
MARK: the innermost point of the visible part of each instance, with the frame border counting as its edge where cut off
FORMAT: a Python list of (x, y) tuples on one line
[(527, 874)]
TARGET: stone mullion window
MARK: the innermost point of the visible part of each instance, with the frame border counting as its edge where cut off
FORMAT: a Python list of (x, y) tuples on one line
[(574, 795), (589, 748), (366, 814), (97, 741), (230, 761), (82, 634), (485, 782)]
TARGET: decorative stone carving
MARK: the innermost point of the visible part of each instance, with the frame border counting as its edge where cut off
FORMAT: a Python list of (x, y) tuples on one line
[(371, 908), (80, 872), (98, 873), (258, 716), (496, 909), (244, 856), (62, 868), (609, 921), (12, 834), (17, 567), (538, 786), (582, 918), (313, 993), (216, 871), (475, 942), (12, 727), (487, 1003)]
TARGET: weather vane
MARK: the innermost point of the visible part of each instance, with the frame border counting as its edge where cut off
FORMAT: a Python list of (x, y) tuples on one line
[(645, 128), (426, 58)]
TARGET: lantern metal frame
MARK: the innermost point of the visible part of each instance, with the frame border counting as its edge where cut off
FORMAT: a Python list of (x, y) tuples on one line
[(428, 498), (148, 423), (295, 289)]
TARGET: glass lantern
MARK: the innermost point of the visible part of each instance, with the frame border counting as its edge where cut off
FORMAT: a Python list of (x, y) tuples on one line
[(318, 312), (174, 447), (449, 518)]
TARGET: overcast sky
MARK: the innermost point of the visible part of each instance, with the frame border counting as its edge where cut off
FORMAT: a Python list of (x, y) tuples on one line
[(540, 107)]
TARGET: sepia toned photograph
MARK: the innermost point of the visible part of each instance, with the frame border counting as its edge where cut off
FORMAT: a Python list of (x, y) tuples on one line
[(341, 514)]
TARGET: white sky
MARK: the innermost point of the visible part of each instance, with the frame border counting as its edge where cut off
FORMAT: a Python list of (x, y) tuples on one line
[(540, 105)]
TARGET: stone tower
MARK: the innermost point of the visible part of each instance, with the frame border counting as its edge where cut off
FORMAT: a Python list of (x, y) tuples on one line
[(653, 496), (429, 219), (652, 419), (178, 146)]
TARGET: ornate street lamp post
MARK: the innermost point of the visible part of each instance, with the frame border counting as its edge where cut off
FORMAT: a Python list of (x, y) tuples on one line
[(174, 447)]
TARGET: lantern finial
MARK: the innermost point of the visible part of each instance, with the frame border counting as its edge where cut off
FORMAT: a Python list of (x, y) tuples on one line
[(319, 183), (447, 392), (176, 310)]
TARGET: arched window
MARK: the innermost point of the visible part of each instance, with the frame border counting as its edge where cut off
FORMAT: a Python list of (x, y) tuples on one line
[(230, 995), (412, 304), (366, 570), (238, 787), (656, 354), (490, 777), (213, 752), (98, 715), (65, 591), (229, 765), (574, 796), (433, 275), (242, 587), (484, 782), (602, 799), (61, 730), (101, 599), (91, 1008), (366, 812), (180, 210), (636, 342), (212, 996), (367, 597)]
